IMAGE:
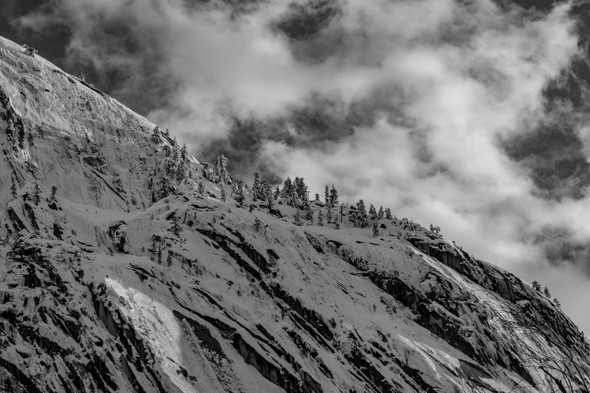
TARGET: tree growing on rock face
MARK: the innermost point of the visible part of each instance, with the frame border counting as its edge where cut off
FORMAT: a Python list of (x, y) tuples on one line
[(154, 247), (239, 195), (388, 215), (297, 218), (156, 135), (361, 218), (375, 228), (183, 154), (301, 191), (372, 213), (435, 230), (201, 188), (221, 174), (320, 219), (380, 213), (547, 293), (327, 197), (257, 224), (268, 195), (287, 188), (536, 286), (180, 171), (257, 188), (175, 152), (165, 188), (176, 228), (52, 201), (333, 196)]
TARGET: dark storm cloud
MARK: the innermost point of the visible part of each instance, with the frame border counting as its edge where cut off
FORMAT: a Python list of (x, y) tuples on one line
[(554, 151), (554, 155), (561, 247), (110, 45), (52, 43)]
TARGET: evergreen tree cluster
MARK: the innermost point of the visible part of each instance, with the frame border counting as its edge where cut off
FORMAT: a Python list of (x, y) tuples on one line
[(331, 197), (295, 193), (537, 287), (161, 182), (262, 191)]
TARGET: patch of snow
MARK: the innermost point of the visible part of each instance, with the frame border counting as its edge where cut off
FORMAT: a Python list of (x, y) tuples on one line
[(158, 326), (415, 347)]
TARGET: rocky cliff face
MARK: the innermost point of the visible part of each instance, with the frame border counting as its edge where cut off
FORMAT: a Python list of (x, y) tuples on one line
[(125, 279)]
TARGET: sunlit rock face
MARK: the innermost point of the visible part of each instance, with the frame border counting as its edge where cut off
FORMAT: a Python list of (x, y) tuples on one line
[(124, 278)]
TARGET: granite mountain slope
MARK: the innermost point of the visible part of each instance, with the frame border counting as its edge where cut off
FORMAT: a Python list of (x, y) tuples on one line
[(109, 286)]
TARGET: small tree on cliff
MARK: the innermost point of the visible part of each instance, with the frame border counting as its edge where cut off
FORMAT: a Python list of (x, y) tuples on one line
[(333, 196), (361, 219), (287, 188), (301, 190), (435, 230), (388, 215), (221, 174), (257, 188), (547, 293), (176, 228), (268, 195), (320, 218), (372, 213), (297, 218), (375, 228), (239, 197), (183, 155)]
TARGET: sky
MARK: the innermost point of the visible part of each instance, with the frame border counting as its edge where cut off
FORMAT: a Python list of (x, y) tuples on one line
[(469, 115)]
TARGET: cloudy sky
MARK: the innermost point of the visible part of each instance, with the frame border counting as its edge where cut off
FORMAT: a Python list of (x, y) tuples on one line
[(467, 114)]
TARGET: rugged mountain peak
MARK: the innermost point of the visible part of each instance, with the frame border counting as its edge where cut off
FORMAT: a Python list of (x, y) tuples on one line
[(123, 268)]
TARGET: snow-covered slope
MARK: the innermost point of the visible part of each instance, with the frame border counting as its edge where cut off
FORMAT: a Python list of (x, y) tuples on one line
[(112, 285)]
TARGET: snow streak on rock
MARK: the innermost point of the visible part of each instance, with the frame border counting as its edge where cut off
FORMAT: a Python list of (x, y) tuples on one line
[(157, 325)]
